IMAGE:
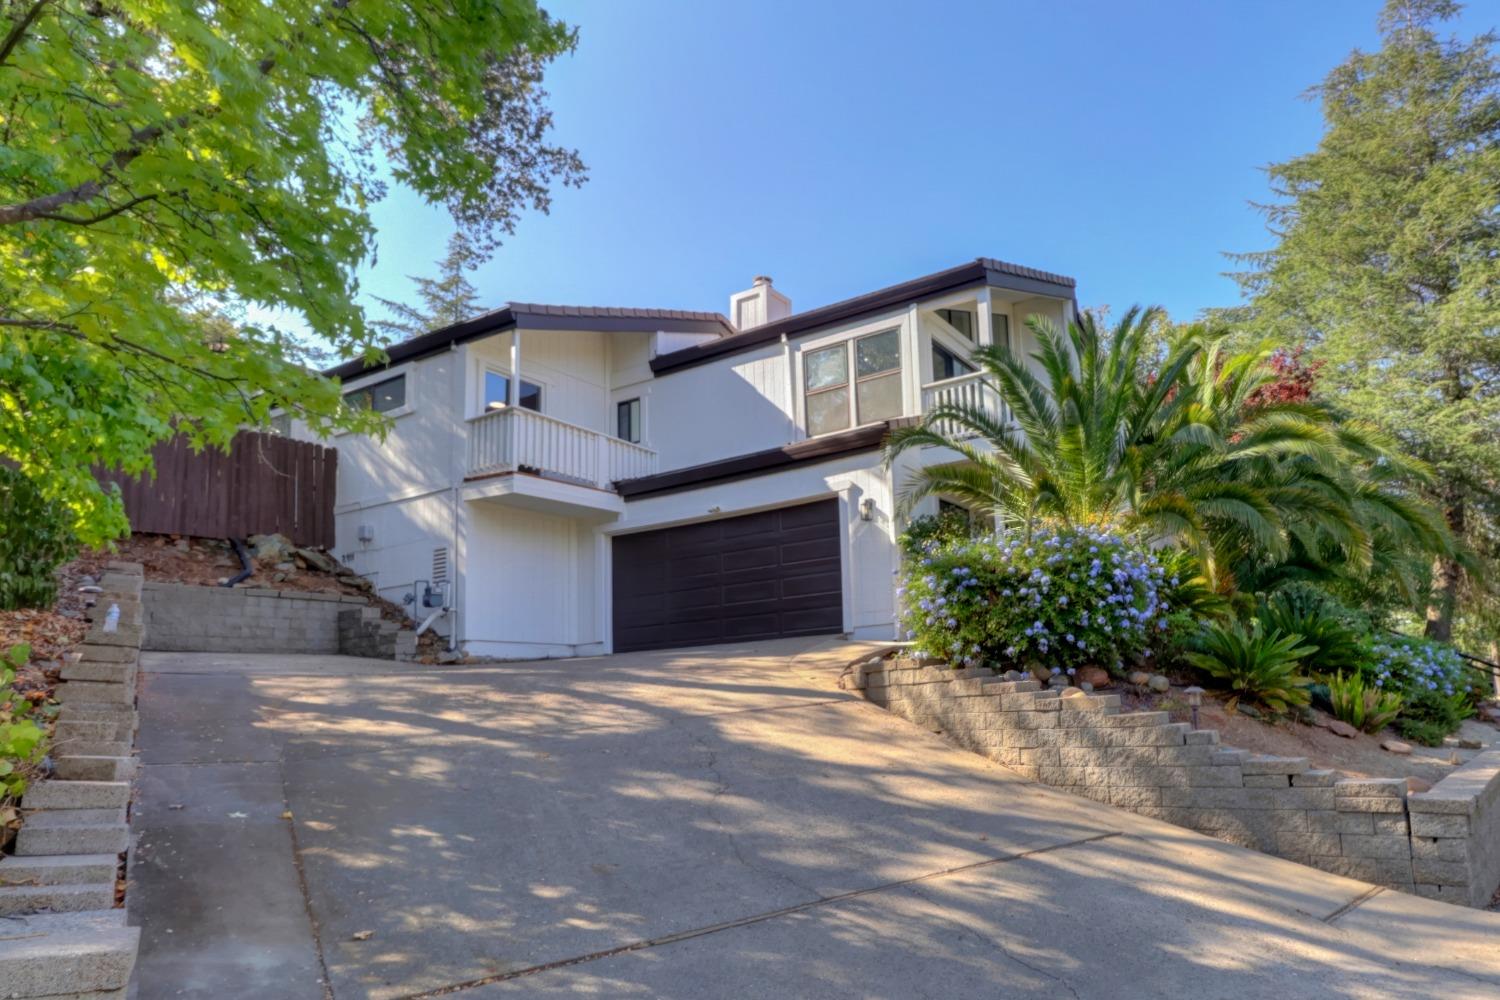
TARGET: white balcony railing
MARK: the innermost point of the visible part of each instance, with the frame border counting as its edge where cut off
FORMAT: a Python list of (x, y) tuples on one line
[(972, 390), (517, 439)]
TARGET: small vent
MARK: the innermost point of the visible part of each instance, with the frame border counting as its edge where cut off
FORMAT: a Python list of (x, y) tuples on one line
[(439, 566)]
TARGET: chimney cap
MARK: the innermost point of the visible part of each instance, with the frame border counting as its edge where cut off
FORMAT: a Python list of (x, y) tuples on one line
[(762, 279)]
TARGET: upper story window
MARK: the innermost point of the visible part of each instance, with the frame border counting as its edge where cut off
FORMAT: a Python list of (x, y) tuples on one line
[(1000, 327), (960, 319), (628, 420), (382, 397), (281, 425), (497, 393), (874, 362), (946, 364)]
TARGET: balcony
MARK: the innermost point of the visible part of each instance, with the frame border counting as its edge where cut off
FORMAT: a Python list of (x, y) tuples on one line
[(970, 390), (515, 439)]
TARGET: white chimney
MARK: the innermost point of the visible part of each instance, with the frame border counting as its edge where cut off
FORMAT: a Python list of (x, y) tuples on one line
[(760, 305)]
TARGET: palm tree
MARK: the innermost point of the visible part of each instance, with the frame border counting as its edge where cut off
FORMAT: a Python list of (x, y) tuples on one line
[(1186, 454)]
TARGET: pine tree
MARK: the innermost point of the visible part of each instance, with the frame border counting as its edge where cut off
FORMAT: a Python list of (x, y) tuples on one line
[(447, 299), (1387, 264)]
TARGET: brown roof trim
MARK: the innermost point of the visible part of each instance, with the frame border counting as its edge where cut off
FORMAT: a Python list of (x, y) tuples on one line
[(759, 463), (984, 270), (538, 316)]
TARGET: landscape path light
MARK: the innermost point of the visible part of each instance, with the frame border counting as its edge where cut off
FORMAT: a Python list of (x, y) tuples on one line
[(1195, 700)]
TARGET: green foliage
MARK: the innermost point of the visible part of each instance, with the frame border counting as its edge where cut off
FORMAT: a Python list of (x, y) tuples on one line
[(1256, 665), (1195, 454), (36, 539), (1060, 599), (22, 741), (1387, 259), (447, 299), (1304, 611), (1428, 716), (934, 530), (1362, 705), (168, 167)]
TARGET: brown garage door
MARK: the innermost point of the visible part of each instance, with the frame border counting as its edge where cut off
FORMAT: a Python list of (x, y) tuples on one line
[(759, 576)]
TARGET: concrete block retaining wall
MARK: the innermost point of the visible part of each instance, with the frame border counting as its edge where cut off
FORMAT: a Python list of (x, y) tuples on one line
[(236, 619), (1444, 843), (61, 934)]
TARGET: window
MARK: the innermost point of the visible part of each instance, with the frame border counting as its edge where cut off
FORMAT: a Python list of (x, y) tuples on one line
[(497, 392), (960, 319), (1000, 328), (628, 420), (281, 424), (382, 397), (946, 364), (876, 364)]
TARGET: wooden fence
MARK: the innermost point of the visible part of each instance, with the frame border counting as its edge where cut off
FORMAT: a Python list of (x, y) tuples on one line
[(265, 484)]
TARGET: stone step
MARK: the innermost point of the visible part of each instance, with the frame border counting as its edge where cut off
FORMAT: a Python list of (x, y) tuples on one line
[(67, 954), (73, 831), (95, 692), (88, 748), (100, 670), (98, 730), (65, 869), (76, 795), (75, 767), (18, 899)]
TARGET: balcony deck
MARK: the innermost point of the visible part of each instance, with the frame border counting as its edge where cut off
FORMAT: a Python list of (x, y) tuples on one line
[(515, 439)]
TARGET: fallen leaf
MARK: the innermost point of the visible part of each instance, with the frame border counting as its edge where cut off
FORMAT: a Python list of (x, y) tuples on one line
[(287, 814), (361, 935)]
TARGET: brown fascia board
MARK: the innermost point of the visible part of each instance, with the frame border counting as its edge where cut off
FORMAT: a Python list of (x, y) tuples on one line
[(759, 463), (534, 316), (981, 271)]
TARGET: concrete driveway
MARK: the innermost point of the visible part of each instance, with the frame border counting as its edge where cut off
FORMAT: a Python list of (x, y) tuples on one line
[(713, 823)]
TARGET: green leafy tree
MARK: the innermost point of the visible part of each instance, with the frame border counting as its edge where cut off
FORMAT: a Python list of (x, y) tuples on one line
[(1196, 453), (163, 162), (1387, 260), (447, 299)]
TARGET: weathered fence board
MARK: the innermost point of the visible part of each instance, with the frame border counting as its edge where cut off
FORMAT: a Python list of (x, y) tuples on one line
[(265, 484)]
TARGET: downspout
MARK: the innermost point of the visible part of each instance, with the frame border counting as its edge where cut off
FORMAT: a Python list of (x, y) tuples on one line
[(463, 462), (791, 389), (247, 567), (453, 590)]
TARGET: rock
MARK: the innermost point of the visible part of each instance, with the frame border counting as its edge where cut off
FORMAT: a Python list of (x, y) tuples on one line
[(1159, 684), (278, 578), (1096, 676), (1073, 692), (1016, 675), (1085, 687), (1058, 681), (1247, 710), (271, 548), (1139, 678), (320, 560), (286, 567), (449, 656), (1470, 744), (1343, 729), (1396, 746), (182, 545), (1415, 784)]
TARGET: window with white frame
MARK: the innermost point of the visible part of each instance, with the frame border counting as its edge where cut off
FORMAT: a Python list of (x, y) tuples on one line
[(628, 420), (960, 319), (946, 364), (1000, 328), (875, 364), (497, 392)]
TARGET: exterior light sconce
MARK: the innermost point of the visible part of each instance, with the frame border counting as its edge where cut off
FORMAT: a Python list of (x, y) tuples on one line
[(866, 509), (1195, 701)]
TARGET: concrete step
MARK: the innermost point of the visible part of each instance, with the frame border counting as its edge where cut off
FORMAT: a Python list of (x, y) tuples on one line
[(99, 670), (73, 831), (66, 954), (75, 767), (65, 869), (17, 899), (88, 748), (95, 692), (97, 730), (76, 795)]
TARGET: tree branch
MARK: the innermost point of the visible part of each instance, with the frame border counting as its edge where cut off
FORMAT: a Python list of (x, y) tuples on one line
[(75, 220), (19, 29)]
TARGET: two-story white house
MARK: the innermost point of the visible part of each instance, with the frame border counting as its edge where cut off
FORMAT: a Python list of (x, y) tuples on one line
[(579, 480)]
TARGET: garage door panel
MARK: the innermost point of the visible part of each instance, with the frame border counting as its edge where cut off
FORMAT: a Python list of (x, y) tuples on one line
[(760, 575)]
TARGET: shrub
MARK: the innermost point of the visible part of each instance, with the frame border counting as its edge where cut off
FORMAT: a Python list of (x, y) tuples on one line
[(1416, 666), (1063, 598), (1304, 611), (931, 530), (1362, 705), (1255, 665), (1431, 715), (21, 739), (35, 540)]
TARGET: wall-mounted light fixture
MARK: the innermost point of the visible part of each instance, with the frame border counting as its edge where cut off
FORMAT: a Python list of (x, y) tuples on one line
[(866, 509)]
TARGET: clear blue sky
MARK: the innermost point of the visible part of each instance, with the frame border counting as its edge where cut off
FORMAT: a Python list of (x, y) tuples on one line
[(843, 146)]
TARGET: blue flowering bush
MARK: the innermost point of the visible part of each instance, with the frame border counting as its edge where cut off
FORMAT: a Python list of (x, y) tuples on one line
[(1413, 666), (1062, 599)]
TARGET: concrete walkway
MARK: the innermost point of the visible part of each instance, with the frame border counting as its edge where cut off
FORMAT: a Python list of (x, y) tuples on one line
[(717, 823)]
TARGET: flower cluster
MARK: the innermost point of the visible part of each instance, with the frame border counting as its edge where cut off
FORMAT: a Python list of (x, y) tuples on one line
[(1061, 599), (1416, 666)]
